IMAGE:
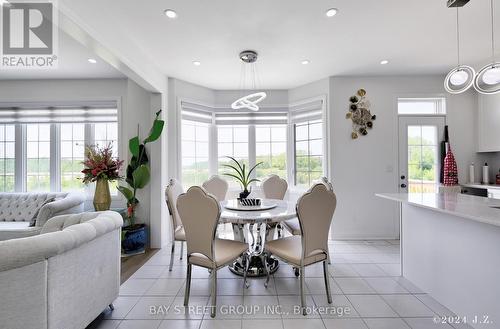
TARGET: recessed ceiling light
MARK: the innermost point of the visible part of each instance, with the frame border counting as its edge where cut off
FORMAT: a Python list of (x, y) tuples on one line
[(196, 63), (384, 62), (170, 13), (305, 62), (5, 3), (331, 12), (92, 60)]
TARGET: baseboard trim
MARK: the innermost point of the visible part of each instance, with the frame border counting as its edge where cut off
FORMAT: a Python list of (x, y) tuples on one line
[(364, 237)]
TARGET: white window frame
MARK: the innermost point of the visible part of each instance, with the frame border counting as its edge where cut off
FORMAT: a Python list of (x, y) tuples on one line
[(209, 127), (291, 136), (439, 101)]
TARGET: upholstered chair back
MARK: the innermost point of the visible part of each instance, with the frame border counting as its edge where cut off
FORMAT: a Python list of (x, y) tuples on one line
[(274, 187), (315, 212), (172, 192), (200, 214), (323, 180), (216, 186)]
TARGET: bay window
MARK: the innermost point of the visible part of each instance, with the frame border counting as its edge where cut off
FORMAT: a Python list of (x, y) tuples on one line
[(287, 140), (42, 145)]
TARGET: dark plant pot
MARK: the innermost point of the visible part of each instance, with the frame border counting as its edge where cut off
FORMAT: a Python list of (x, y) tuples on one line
[(134, 238), (244, 194)]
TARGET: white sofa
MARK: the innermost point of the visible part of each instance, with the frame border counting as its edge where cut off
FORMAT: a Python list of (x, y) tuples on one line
[(64, 277), (17, 210)]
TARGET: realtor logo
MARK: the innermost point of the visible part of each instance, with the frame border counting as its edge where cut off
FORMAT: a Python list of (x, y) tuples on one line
[(29, 35)]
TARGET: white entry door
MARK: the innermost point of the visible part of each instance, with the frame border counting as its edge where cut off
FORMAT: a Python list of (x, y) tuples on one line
[(419, 153)]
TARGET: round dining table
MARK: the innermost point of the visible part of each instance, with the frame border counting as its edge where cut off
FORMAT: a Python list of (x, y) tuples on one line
[(255, 225)]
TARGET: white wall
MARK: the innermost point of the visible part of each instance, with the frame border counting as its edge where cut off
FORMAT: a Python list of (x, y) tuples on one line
[(369, 164)]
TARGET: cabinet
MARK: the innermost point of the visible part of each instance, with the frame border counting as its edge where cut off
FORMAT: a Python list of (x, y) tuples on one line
[(489, 123)]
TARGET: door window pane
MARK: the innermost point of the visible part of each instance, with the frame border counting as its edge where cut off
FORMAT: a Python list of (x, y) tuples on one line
[(7, 158), (38, 157), (423, 174)]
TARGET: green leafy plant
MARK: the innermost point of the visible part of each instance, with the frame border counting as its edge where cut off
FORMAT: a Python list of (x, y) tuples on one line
[(241, 174), (138, 172)]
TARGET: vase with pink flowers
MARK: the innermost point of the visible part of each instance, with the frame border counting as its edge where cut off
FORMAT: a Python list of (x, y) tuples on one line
[(101, 167)]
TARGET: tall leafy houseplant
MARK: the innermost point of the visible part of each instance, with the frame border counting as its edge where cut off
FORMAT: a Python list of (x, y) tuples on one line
[(241, 175), (138, 171)]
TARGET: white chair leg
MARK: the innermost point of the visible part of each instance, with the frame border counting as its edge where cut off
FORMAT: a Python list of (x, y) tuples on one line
[(188, 285), (172, 256), (327, 282), (182, 249), (214, 293), (302, 292), (329, 260)]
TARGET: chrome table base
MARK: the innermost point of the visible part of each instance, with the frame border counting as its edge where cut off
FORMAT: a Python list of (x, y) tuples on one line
[(258, 233)]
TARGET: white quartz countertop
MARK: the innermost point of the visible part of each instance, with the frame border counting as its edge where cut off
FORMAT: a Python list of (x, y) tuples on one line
[(471, 207), (482, 186)]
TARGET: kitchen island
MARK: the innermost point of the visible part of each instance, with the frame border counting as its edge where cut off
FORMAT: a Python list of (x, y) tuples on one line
[(450, 249)]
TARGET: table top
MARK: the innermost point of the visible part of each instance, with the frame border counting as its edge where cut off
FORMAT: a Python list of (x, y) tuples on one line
[(284, 210)]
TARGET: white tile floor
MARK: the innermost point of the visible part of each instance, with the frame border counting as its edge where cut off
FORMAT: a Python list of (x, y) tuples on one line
[(367, 293)]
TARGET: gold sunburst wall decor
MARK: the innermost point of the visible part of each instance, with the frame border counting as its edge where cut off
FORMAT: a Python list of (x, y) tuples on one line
[(360, 115)]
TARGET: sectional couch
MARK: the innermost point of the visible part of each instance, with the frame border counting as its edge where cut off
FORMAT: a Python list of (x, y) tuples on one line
[(64, 277), (19, 210)]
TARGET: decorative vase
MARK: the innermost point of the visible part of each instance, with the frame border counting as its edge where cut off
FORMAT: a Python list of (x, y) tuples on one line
[(244, 194), (134, 239), (102, 196)]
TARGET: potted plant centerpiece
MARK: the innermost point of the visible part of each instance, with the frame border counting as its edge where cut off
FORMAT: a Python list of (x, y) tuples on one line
[(137, 177), (101, 167), (242, 176)]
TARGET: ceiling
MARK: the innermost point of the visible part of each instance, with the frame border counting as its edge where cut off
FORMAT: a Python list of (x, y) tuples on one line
[(73, 64), (417, 37)]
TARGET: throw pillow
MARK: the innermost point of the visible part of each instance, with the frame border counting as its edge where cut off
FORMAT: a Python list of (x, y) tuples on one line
[(35, 215)]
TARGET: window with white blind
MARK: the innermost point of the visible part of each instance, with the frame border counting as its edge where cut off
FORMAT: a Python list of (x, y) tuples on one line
[(307, 120), (195, 136), (51, 139)]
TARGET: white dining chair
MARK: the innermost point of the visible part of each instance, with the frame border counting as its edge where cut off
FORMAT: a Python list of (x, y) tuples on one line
[(200, 214), (216, 186), (315, 211), (293, 225), (274, 187), (172, 192)]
